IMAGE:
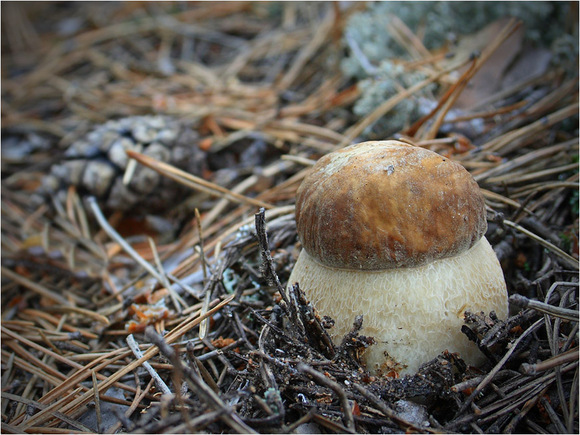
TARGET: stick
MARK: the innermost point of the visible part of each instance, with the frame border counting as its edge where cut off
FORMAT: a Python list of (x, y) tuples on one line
[(138, 354), (323, 380), (267, 263), (564, 313)]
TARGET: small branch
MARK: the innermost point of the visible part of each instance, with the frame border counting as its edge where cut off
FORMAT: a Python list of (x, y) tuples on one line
[(474, 382), (129, 249), (498, 366), (363, 60), (564, 313), (388, 412), (197, 384), (41, 406), (138, 354), (97, 402), (267, 263), (204, 325), (556, 361), (319, 37), (178, 302), (323, 380), (388, 105)]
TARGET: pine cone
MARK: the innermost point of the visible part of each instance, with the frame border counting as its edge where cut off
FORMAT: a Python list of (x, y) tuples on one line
[(96, 164)]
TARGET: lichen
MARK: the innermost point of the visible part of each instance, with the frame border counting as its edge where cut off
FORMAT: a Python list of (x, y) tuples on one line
[(372, 48), (440, 20), (388, 82)]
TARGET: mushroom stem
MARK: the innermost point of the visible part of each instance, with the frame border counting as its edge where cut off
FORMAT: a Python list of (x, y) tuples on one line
[(413, 313)]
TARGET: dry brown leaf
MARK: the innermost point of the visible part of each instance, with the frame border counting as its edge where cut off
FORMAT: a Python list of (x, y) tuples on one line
[(489, 78)]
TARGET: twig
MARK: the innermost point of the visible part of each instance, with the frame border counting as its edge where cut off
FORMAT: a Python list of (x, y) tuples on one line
[(498, 367), (42, 406), (442, 103), (178, 331), (298, 159), (388, 105), (474, 382), (505, 33), (82, 311), (538, 187), (553, 416), (406, 38), (388, 412), (269, 171), (178, 302), (316, 41), (525, 409), (136, 401), (197, 385), (120, 240), (572, 403), (267, 263), (204, 325), (97, 402), (366, 64), (323, 380), (513, 136), (564, 313), (510, 165), (556, 361), (138, 354), (197, 423)]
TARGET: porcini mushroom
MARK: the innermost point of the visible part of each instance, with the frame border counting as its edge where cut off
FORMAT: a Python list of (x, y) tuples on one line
[(395, 232)]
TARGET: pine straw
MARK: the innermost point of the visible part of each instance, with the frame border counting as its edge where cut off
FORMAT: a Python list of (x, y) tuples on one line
[(225, 350)]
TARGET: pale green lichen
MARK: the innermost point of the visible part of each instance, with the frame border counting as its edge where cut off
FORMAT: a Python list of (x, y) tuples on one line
[(388, 82), (371, 47), (440, 20)]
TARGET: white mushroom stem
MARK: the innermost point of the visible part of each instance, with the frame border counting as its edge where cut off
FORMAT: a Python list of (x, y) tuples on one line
[(414, 314)]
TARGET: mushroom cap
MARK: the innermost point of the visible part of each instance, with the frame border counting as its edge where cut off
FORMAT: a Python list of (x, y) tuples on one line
[(386, 204)]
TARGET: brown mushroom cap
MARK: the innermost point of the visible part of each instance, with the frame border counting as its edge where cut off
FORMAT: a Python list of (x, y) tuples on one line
[(386, 204)]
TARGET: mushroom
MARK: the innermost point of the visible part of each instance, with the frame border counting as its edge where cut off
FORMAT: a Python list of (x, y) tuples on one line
[(395, 232)]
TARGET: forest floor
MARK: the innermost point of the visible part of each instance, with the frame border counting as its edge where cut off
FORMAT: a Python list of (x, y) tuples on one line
[(161, 308)]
